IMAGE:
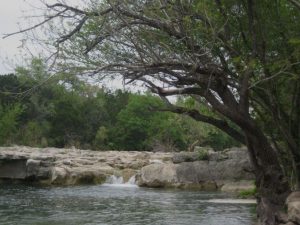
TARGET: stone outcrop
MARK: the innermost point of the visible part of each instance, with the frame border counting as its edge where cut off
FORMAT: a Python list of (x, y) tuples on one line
[(185, 157), (158, 175), (293, 207), (291, 216), (229, 170), (72, 166)]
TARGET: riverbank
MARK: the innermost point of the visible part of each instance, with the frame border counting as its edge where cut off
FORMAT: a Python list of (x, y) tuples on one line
[(229, 170), (203, 170)]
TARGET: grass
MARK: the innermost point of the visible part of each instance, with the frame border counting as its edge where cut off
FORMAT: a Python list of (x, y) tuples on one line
[(247, 193)]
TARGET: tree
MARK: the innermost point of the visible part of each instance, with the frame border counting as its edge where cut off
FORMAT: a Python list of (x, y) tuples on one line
[(240, 58), (140, 128), (9, 118), (11, 110)]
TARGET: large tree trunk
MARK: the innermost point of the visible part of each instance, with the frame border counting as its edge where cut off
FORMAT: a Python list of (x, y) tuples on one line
[(271, 182), (272, 185)]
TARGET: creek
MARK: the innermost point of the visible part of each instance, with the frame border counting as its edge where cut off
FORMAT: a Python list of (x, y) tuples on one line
[(117, 203)]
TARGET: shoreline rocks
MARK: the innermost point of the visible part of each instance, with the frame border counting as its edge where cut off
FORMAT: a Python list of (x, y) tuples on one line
[(293, 207), (229, 170)]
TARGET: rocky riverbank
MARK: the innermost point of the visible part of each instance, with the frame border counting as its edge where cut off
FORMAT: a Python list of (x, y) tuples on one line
[(229, 170)]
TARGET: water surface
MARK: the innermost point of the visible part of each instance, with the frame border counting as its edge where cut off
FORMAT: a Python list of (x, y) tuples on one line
[(110, 205)]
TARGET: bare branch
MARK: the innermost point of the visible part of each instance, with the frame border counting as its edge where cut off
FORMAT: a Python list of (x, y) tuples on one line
[(79, 11), (74, 31), (37, 25)]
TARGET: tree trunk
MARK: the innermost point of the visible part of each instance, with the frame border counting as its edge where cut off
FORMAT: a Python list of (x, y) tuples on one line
[(272, 185)]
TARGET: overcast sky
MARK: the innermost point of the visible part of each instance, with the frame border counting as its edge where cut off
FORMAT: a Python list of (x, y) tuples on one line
[(12, 14)]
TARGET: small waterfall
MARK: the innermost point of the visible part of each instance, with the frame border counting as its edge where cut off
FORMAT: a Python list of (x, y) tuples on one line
[(116, 181), (131, 181)]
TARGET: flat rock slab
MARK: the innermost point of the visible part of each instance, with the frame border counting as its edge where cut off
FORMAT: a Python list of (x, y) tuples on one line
[(152, 169)]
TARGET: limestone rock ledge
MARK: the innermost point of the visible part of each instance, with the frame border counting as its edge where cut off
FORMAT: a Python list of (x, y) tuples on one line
[(229, 170)]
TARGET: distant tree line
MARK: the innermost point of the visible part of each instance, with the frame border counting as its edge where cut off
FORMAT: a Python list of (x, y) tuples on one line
[(63, 111)]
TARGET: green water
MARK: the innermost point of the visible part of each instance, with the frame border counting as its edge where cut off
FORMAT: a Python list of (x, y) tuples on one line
[(91, 205)]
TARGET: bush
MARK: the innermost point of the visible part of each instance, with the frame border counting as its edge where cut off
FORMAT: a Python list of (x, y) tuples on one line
[(203, 154)]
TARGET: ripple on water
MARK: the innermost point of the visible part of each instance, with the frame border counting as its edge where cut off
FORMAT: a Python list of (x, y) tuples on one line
[(109, 205)]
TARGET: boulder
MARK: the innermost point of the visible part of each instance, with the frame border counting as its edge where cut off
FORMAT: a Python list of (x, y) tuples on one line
[(294, 196), (294, 212), (193, 172), (158, 175), (231, 169), (293, 205), (203, 171)]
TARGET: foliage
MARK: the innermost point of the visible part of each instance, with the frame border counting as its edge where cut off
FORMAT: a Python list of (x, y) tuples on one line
[(248, 193), (139, 127), (209, 135), (68, 112), (219, 140), (9, 117), (203, 154), (101, 137)]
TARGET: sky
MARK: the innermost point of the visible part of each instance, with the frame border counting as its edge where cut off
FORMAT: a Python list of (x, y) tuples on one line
[(10, 13), (12, 17)]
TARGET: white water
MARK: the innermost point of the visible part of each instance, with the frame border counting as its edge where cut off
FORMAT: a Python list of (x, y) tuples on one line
[(114, 181)]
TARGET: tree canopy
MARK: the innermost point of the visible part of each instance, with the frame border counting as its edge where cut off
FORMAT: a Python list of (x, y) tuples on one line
[(68, 112)]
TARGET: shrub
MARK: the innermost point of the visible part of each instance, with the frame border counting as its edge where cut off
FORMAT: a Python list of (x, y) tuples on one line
[(203, 154)]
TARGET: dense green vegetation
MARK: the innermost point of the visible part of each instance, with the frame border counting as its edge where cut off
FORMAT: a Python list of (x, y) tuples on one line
[(65, 112)]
